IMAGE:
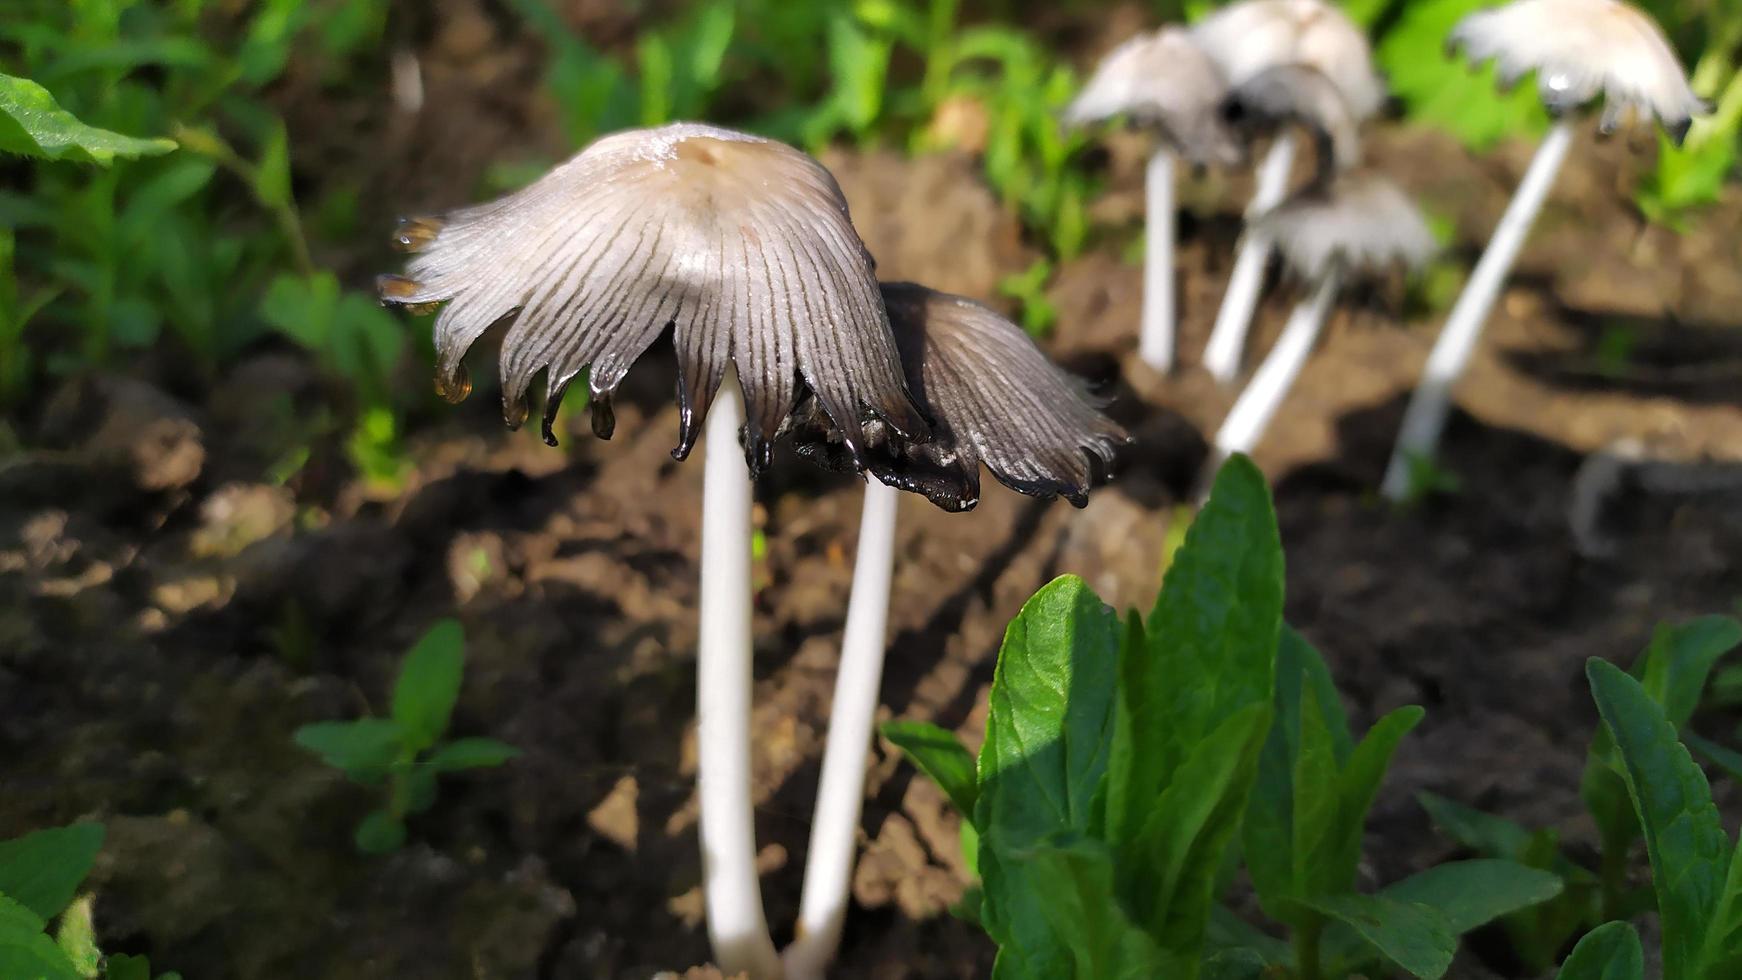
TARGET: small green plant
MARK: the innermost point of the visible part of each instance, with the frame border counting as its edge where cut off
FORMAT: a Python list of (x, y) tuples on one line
[(1029, 288), (404, 752), (40, 875), (1692, 175)]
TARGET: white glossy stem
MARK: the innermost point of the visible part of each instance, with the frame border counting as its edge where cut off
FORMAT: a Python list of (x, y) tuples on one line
[(1426, 415), (1156, 341), (828, 870), (1228, 340), (733, 896), (1274, 378)]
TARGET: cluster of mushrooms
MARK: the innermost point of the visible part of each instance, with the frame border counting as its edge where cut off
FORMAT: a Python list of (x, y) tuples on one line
[(1260, 68), (741, 249)]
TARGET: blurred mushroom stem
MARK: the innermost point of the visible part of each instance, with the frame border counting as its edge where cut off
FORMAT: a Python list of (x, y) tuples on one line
[(1273, 380), (1227, 344), (737, 929), (1426, 416), (1156, 342), (828, 869)]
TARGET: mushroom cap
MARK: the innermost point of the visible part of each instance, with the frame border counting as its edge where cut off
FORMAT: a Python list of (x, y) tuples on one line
[(1581, 49), (1164, 81), (1305, 96), (993, 398), (742, 245), (1361, 223), (1247, 37)]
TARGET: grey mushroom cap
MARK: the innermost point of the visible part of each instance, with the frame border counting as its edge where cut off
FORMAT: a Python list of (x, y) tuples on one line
[(740, 245), (1581, 49), (993, 398), (1247, 37), (1299, 95), (1359, 224), (1162, 81)]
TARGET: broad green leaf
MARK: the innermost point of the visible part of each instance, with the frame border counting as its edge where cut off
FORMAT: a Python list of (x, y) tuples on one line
[(76, 935), (380, 832), (1014, 913), (1299, 667), (1687, 845), (1469, 894), (1211, 644), (941, 756), (26, 952), (470, 753), (1415, 937), (1168, 876), (429, 684), (1357, 785), (34, 125), (124, 967), (1236, 964), (42, 869), (1484, 833), (1227, 932), (1609, 952), (1441, 90), (1077, 879), (364, 748), (1680, 659), (1050, 718)]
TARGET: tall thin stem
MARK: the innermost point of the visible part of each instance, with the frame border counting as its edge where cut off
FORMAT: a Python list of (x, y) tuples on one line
[(1426, 415), (1273, 380), (1228, 340), (732, 894), (1156, 341), (828, 870)]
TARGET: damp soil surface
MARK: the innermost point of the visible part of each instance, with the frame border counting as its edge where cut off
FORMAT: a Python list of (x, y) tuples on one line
[(168, 616)]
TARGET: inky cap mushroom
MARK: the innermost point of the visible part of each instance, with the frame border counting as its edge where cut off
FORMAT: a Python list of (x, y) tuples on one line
[(1248, 37), (993, 398), (1359, 223), (1581, 49), (1162, 81), (740, 244), (1303, 96)]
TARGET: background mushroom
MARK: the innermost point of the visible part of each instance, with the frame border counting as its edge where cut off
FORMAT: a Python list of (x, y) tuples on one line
[(743, 246), (1246, 39), (1165, 83), (1359, 224), (1579, 49), (993, 398)]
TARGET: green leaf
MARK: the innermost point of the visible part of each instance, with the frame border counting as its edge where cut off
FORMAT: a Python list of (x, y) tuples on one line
[(1442, 90), (941, 756), (271, 177), (1478, 831), (1211, 644), (76, 935), (1469, 894), (1680, 659), (1227, 932), (471, 753), (42, 869), (124, 967), (429, 684), (1687, 845), (1415, 937), (1076, 878), (34, 125), (364, 748), (1050, 718), (1357, 785), (380, 833), (26, 952), (1723, 946), (1609, 952)]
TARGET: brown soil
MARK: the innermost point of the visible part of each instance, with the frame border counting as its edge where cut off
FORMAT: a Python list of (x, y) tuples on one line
[(167, 619)]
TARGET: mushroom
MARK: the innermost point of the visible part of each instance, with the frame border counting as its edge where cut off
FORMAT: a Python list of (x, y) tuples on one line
[(1357, 225), (743, 247), (1164, 83), (993, 398), (1246, 39), (1579, 49)]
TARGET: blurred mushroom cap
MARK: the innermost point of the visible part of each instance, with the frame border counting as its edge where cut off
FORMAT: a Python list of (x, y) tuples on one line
[(1581, 49), (743, 246), (1361, 223), (1164, 81), (1247, 37), (1304, 96), (993, 398)]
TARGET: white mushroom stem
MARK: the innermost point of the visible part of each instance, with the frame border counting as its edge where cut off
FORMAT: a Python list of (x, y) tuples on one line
[(1426, 415), (733, 896), (1228, 340), (1156, 341), (828, 869), (1274, 378)]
